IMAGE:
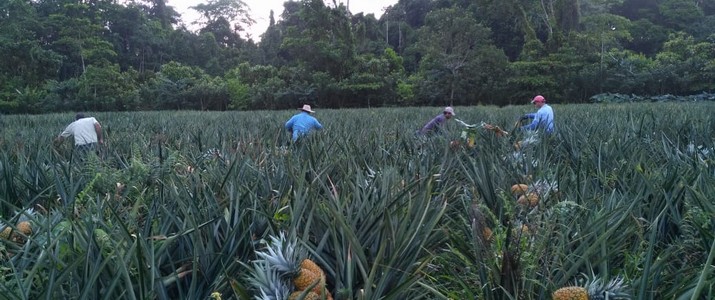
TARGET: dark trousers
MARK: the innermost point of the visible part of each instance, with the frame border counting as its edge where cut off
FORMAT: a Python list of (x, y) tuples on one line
[(83, 150)]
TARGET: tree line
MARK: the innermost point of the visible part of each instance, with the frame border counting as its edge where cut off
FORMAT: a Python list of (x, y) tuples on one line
[(108, 55)]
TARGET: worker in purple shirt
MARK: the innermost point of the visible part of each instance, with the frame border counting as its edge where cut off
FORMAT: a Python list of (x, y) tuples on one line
[(302, 123), (437, 123), (543, 119)]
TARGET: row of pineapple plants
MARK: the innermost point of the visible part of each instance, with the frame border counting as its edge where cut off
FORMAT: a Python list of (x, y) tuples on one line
[(182, 205)]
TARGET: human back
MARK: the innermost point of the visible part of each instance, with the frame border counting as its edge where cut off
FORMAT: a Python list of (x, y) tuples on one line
[(83, 131), (302, 123)]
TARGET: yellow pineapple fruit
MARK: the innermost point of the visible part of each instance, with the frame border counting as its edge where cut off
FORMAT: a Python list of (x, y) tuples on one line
[(311, 266), (306, 278), (309, 296), (6, 232), (523, 201), (570, 293), (25, 227), (594, 290), (310, 272), (519, 189), (533, 199)]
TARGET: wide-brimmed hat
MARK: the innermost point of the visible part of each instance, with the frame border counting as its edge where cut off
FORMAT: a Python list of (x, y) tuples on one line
[(538, 98), (306, 108), (450, 110)]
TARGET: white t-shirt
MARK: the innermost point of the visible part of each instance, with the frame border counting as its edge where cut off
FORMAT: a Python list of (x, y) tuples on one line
[(82, 130)]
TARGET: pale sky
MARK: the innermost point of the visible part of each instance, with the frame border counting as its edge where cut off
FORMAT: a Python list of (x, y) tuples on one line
[(260, 10)]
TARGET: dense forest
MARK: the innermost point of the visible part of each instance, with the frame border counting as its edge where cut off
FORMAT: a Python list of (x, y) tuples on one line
[(111, 55)]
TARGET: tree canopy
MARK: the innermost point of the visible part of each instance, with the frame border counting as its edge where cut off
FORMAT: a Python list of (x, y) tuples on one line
[(102, 55)]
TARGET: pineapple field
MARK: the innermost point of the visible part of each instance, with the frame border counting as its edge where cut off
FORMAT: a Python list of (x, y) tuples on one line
[(619, 204)]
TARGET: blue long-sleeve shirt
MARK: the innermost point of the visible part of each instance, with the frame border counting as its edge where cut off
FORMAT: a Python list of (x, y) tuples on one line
[(301, 124), (434, 125), (542, 119)]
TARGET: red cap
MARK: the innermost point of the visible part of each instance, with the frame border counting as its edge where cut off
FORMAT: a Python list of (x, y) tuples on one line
[(538, 98)]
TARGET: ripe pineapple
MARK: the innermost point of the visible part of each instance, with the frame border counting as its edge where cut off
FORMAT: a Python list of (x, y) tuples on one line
[(309, 296), (533, 199), (311, 266), (310, 272), (6, 231), (24, 227), (594, 290), (519, 189), (285, 258), (530, 199)]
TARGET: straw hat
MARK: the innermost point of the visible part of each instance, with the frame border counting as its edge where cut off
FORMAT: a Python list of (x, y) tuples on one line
[(306, 108)]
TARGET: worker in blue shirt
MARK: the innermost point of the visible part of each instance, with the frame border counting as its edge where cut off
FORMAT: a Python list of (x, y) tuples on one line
[(302, 123), (543, 119)]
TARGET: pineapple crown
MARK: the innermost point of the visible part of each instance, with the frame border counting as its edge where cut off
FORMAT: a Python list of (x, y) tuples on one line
[(277, 263), (26, 215), (614, 289), (283, 256), (543, 187), (267, 282)]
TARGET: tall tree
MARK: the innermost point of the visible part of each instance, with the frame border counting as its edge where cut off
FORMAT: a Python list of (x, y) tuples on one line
[(451, 43), (76, 32), (234, 14), (270, 43)]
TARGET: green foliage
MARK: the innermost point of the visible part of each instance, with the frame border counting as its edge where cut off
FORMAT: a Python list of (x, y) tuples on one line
[(680, 14), (177, 203), (621, 98), (111, 56), (239, 93)]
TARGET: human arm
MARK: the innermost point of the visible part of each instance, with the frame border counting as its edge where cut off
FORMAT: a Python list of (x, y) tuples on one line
[(536, 120), (317, 125), (528, 116), (98, 130), (64, 134), (289, 125)]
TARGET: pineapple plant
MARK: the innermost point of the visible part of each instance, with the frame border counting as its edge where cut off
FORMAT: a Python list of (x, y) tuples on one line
[(267, 282), (285, 257), (593, 290)]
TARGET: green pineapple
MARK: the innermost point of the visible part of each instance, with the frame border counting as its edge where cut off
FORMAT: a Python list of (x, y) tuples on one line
[(594, 290)]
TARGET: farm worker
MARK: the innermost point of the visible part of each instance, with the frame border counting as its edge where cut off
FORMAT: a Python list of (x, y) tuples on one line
[(543, 119), (437, 123), (302, 123), (87, 132)]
